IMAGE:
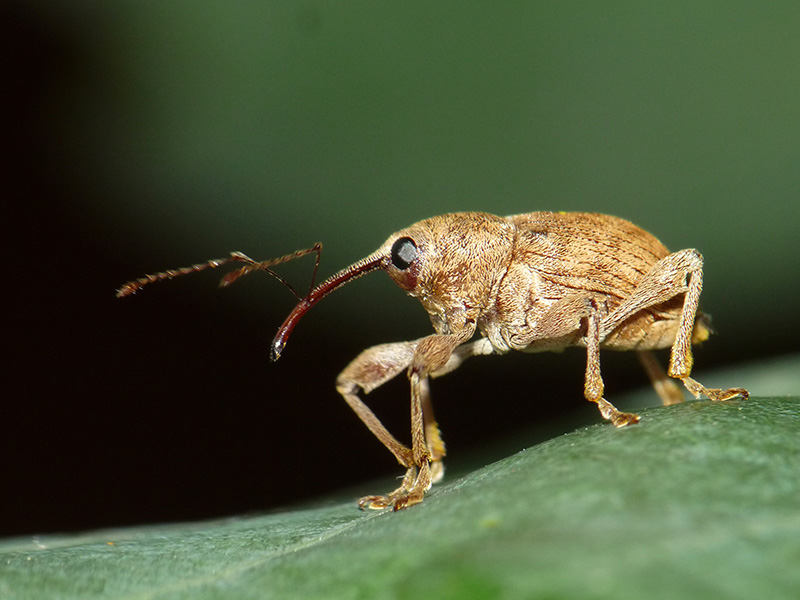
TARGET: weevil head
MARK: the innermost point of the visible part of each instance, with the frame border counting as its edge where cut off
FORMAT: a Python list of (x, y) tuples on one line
[(451, 262)]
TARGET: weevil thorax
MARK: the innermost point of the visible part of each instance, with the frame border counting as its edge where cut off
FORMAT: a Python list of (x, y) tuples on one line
[(453, 263)]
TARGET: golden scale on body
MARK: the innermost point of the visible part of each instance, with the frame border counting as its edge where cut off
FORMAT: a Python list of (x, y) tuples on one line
[(531, 282)]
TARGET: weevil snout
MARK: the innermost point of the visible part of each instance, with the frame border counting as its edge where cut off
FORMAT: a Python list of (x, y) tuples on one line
[(400, 256), (373, 262)]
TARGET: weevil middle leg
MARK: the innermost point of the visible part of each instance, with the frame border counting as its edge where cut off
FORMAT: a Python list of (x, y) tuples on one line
[(593, 383)]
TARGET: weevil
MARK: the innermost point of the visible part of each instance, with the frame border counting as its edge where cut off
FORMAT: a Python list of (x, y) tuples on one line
[(530, 282)]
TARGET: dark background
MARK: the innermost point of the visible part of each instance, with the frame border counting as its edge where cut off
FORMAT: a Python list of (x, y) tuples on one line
[(140, 136)]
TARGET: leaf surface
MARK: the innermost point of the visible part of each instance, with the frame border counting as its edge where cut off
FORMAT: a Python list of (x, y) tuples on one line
[(698, 500)]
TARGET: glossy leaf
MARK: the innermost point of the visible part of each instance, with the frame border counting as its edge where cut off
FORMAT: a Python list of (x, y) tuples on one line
[(700, 500)]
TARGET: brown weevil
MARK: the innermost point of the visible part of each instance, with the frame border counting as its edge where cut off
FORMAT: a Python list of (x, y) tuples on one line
[(530, 282)]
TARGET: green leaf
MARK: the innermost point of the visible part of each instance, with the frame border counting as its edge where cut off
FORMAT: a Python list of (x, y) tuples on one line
[(700, 500)]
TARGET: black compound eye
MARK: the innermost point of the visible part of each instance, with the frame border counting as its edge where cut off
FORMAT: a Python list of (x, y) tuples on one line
[(404, 252)]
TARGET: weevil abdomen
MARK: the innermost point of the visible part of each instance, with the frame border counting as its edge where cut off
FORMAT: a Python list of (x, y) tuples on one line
[(573, 257)]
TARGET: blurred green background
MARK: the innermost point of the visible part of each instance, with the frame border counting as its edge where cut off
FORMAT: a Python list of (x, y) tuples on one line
[(148, 135)]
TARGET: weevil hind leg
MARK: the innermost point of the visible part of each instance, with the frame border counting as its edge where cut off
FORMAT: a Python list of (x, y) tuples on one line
[(717, 394), (669, 391), (677, 273), (681, 359)]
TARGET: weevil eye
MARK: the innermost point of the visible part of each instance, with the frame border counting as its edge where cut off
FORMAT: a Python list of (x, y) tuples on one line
[(404, 252)]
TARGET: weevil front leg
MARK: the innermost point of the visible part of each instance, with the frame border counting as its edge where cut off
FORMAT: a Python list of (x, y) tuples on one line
[(423, 460), (433, 437), (371, 369)]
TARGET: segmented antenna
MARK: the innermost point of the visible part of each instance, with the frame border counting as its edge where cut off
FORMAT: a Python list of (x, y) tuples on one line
[(251, 265)]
